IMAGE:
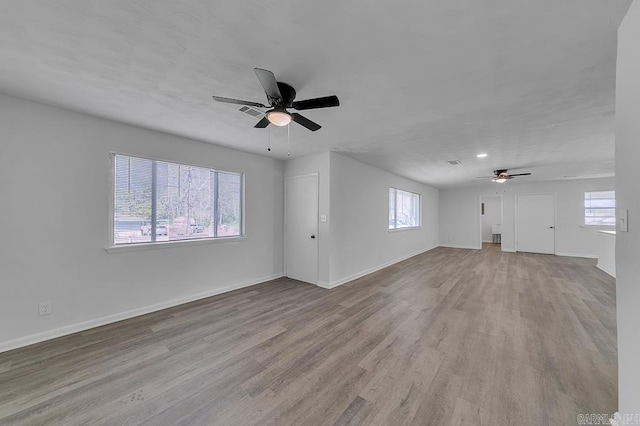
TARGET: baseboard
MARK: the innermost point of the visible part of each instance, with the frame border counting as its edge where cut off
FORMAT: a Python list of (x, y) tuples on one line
[(608, 272), (508, 250), (341, 281), (588, 256), (324, 284), (460, 246), (85, 325)]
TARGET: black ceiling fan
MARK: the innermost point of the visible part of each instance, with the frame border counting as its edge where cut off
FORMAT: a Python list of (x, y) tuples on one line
[(281, 96), (502, 175)]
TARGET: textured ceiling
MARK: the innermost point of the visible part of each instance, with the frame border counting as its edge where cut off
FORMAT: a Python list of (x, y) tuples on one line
[(529, 82)]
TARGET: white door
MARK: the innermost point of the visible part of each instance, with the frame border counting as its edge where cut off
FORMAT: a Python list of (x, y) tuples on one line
[(535, 223), (301, 227)]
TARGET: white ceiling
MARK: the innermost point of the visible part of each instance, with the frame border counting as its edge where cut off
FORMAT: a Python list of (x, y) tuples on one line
[(529, 82)]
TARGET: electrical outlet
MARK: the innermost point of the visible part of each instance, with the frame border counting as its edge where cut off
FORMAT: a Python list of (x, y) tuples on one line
[(45, 308)]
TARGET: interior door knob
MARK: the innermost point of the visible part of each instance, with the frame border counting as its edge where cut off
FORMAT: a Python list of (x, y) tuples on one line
[(313, 236), (551, 227)]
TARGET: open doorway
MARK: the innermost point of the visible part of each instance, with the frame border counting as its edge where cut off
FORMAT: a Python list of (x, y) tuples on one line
[(491, 221)]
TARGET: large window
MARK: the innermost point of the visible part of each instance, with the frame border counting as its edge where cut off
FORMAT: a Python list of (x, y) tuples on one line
[(404, 209), (600, 208), (159, 201)]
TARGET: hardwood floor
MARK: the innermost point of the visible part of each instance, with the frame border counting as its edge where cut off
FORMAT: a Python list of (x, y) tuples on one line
[(451, 336)]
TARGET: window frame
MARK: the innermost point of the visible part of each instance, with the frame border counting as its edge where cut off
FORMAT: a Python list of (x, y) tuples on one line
[(584, 211), (112, 247), (404, 228)]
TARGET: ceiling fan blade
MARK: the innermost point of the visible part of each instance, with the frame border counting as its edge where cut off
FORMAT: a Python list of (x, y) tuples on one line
[(324, 102), (520, 174), (238, 102), (262, 123), (269, 83), (485, 177), (303, 121)]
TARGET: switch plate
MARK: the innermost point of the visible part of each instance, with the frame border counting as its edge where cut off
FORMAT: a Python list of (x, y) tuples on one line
[(323, 218), (623, 220)]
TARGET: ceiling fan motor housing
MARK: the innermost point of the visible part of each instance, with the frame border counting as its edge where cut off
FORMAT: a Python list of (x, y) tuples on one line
[(288, 95)]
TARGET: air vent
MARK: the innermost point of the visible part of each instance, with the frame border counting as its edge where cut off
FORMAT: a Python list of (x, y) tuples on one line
[(454, 162), (252, 112)]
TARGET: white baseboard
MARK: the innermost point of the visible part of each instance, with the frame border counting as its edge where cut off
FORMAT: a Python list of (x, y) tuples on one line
[(460, 246), (608, 272), (588, 256), (508, 249), (324, 284), (336, 283), (85, 325)]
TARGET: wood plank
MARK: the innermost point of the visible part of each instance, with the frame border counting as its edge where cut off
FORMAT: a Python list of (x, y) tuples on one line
[(450, 336)]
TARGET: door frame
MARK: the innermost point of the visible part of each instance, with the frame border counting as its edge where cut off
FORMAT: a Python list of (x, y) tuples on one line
[(480, 198), (286, 229), (555, 217)]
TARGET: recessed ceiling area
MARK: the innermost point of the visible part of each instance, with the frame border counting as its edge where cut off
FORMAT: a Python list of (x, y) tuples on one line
[(530, 82)]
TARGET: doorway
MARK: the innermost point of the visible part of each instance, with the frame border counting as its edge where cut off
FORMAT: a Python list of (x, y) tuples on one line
[(535, 223), (490, 221), (301, 228)]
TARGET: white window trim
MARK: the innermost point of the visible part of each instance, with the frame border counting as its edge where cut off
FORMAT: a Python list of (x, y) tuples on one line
[(111, 247), (406, 228), (121, 248)]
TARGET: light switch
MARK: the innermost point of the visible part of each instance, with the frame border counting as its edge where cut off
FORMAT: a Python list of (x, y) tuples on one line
[(323, 218), (623, 219)]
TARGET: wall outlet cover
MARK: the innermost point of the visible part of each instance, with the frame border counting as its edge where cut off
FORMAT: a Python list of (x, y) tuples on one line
[(45, 308)]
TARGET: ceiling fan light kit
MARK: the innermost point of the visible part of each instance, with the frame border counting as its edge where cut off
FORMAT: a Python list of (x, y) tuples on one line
[(503, 175), (279, 118), (281, 96)]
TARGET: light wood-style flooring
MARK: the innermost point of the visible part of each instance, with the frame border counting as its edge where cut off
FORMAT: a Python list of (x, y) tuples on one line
[(451, 336)]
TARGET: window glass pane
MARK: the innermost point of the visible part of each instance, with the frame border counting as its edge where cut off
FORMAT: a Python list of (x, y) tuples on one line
[(178, 201), (404, 209), (599, 208), (229, 205), (187, 205), (392, 208), (132, 204)]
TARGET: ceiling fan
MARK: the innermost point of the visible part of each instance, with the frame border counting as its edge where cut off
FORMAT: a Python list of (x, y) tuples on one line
[(281, 96), (502, 175)]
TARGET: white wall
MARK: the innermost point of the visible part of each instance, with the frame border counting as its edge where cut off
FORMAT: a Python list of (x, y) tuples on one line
[(355, 198), (359, 217), (54, 169), (459, 214), (628, 197), (492, 216)]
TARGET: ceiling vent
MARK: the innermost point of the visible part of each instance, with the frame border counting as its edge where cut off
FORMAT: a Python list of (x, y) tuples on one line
[(454, 162), (252, 112)]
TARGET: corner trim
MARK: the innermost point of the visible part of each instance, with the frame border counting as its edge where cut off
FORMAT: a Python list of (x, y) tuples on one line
[(336, 283), (606, 271), (97, 322)]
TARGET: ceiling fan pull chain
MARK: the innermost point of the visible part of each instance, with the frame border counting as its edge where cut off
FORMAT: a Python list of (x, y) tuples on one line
[(269, 143), (289, 140)]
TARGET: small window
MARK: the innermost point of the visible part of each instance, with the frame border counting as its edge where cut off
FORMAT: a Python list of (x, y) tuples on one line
[(158, 201), (404, 209), (600, 208)]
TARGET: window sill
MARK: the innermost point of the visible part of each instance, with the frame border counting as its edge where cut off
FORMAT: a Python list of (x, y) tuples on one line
[(408, 228), (171, 244), (599, 227)]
